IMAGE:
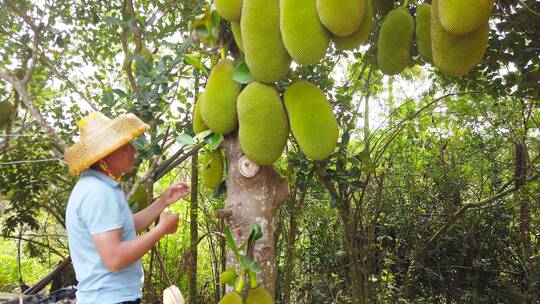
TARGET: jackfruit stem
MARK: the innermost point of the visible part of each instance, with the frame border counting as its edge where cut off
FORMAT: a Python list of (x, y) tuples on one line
[(405, 3), (253, 279), (240, 283)]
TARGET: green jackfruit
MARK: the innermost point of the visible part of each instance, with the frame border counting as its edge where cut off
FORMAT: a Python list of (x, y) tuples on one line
[(304, 36), (229, 9), (423, 31), (395, 41), (228, 276), (263, 125), (456, 55), (311, 118), (237, 34), (360, 36), (266, 56), (342, 18), (258, 295), (218, 107), (460, 17), (212, 168), (5, 112), (139, 199), (231, 298), (198, 122)]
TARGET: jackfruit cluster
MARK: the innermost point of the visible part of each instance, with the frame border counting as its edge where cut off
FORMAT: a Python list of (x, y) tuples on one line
[(218, 102), (423, 31), (5, 112), (456, 55), (311, 119), (395, 41), (263, 125), (229, 9), (341, 18), (265, 54), (461, 17), (212, 168), (360, 36), (304, 36)]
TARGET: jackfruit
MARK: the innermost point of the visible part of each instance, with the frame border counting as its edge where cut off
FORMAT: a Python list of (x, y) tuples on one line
[(258, 295), (395, 41), (5, 112), (360, 36), (139, 200), (266, 56), (229, 9), (237, 34), (342, 18), (212, 168), (198, 122), (460, 17), (263, 125), (231, 298), (311, 118), (218, 107), (423, 31), (304, 36), (456, 55), (228, 276)]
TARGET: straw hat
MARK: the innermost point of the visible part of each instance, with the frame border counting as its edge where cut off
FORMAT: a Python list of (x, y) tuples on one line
[(100, 136)]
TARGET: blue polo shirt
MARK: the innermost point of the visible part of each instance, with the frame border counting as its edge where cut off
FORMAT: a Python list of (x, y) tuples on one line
[(97, 204)]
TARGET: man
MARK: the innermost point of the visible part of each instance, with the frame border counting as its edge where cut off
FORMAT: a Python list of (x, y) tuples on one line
[(103, 244)]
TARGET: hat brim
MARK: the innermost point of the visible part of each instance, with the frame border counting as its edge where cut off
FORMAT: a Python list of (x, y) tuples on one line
[(103, 142)]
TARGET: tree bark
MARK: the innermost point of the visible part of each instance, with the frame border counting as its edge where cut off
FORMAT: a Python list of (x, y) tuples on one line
[(253, 200), (355, 269), (193, 228)]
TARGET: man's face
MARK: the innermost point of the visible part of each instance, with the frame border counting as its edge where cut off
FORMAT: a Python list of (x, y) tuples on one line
[(121, 160)]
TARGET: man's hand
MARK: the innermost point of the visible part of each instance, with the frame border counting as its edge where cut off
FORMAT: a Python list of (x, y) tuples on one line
[(174, 193), (168, 222)]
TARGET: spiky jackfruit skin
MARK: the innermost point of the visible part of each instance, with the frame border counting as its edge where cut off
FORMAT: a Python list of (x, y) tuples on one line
[(198, 122), (360, 36), (460, 17), (237, 34), (218, 107), (456, 55), (311, 119), (229, 9), (231, 298), (5, 112), (263, 126), (212, 168), (395, 41), (304, 36), (258, 295), (341, 18), (423, 31), (265, 54)]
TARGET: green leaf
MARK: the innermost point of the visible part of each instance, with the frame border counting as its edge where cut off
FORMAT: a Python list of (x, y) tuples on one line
[(214, 141), (256, 232), (248, 263), (202, 135), (230, 242), (242, 74), (194, 60), (185, 140)]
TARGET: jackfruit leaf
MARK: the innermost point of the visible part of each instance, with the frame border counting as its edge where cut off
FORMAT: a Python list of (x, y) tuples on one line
[(256, 233), (185, 140), (242, 74), (202, 135), (135, 207), (230, 242), (194, 60), (248, 263), (214, 141)]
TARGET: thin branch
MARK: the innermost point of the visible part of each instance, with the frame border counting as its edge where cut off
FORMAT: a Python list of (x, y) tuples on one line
[(53, 250), (22, 14), (27, 161)]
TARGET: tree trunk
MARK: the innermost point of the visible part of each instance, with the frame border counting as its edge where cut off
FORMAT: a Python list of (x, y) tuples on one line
[(253, 200), (355, 269), (193, 229)]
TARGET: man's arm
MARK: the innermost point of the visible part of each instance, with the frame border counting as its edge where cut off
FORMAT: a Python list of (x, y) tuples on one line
[(144, 218), (117, 254)]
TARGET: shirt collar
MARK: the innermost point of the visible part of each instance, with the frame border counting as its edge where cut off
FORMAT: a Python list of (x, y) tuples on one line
[(103, 177)]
